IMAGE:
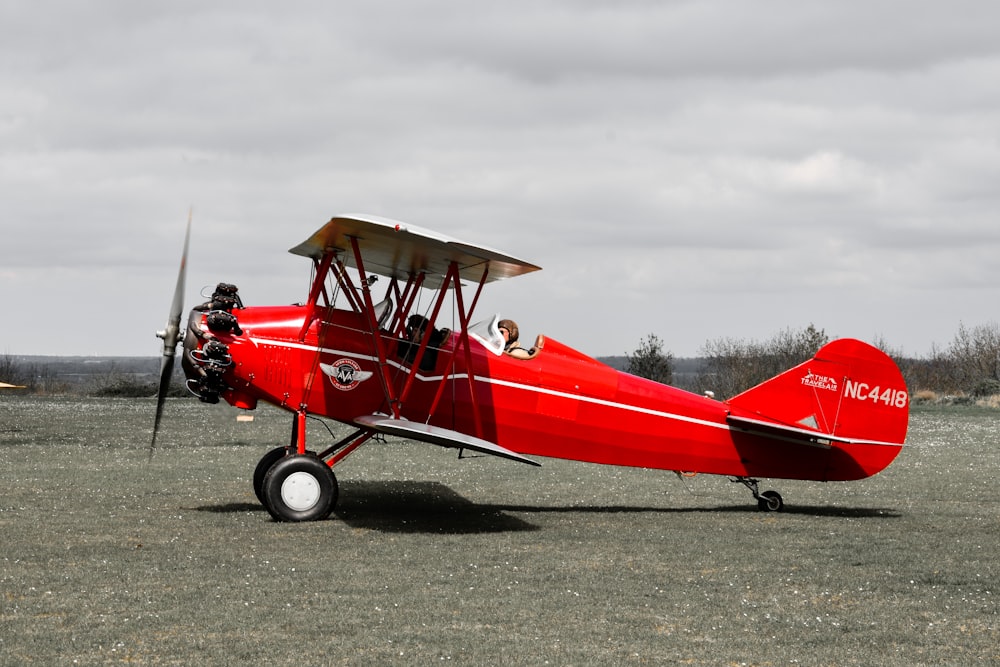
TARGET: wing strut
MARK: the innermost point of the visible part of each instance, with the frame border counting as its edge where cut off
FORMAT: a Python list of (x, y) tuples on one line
[(405, 301), (369, 311), (360, 298), (319, 285), (463, 342), (426, 339)]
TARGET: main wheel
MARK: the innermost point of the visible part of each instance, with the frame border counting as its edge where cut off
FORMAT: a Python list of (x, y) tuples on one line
[(770, 501), (263, 466), (300, 488)]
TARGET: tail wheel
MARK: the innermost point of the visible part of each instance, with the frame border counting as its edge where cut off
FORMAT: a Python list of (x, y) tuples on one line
[(300, 488), (263, 466), (770, 501)]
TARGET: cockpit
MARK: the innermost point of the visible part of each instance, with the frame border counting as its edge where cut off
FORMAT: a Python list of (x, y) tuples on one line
[(488, 333)]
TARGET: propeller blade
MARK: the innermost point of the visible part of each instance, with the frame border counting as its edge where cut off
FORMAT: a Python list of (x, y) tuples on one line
[(166, 372), (171, 336)]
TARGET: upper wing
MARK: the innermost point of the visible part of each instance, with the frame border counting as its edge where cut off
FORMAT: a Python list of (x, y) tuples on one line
[(397, 250), (437, 436)]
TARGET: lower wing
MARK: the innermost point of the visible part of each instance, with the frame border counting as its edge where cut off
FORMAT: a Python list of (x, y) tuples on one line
[(435, 435)]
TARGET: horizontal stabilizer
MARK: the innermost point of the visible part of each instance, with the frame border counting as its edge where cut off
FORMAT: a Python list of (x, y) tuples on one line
[(435, 435), (773, 430), (794, 434)]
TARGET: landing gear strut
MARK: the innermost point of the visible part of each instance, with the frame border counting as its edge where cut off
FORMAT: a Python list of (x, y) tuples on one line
[(296, 484), (769, 501)]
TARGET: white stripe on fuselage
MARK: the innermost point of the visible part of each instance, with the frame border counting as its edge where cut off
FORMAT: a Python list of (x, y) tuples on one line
[(503, 383)]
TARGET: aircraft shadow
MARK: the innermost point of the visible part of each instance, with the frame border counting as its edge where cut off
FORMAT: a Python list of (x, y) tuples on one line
[(827, 511), (432, 507), (420, 507)]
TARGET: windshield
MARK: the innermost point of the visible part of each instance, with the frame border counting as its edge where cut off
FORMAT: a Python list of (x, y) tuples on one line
[(488, 333)]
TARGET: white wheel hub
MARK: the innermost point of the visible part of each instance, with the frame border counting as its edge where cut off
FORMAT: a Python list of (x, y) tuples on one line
[(300, 491)]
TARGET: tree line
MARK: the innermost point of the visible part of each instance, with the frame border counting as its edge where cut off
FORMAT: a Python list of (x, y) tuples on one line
[(93, 376), (969, 366)]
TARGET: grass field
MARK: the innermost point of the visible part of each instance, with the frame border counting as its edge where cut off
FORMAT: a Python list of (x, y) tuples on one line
[(108, 557)]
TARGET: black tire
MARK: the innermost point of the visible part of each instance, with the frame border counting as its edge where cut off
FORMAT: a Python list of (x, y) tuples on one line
[(263, 466), (770, 501), (300, 488)]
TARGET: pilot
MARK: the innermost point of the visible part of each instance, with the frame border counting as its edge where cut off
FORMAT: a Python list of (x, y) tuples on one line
[(508, 329), (415, 327)]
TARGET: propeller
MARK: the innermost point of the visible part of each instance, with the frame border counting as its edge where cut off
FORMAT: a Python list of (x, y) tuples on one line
[(171, 336)]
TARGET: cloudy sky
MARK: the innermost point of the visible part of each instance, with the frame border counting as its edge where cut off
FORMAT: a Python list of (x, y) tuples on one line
[(695, 170)]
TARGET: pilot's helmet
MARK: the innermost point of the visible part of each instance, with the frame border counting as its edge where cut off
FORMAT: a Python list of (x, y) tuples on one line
[(511, 327), (417, 324)]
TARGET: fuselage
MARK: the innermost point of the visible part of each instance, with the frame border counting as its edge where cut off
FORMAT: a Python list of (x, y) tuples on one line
[(559, 403)]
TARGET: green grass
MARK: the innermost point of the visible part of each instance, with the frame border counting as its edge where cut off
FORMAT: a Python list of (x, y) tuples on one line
[(108, 557)]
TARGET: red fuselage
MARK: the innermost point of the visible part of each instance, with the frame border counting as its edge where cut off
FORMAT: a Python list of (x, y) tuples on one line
[(560, 403)]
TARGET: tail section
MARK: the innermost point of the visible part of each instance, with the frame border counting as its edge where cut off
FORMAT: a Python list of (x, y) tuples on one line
[(850, 396)]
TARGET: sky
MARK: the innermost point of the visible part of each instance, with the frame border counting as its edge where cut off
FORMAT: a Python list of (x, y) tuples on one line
[(695, 170)]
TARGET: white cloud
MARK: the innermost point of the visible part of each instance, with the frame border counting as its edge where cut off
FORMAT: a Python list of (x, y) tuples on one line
[(687, 168)]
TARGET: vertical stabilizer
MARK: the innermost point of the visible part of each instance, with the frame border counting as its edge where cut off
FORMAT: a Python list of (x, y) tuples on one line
[(849, 391)]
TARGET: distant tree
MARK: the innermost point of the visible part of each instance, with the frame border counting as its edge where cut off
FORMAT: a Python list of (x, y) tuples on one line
[(8, 368), (975, 358), (733, 365), (17, 372), (650, 361)]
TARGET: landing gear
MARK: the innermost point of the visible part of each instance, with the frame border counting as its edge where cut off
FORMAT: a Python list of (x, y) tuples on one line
[(769, 501), (300, 487)]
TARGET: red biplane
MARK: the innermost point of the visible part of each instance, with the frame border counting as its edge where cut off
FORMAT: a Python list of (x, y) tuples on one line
[(373, 362)]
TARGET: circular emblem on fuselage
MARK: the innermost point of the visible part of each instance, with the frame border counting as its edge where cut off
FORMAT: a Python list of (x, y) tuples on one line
[(345, 374)]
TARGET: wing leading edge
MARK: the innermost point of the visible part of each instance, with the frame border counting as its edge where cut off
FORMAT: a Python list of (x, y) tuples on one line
[(434, 435), (398, 250)]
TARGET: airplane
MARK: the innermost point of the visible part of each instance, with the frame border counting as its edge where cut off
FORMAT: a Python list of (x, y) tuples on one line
[(385, 364)]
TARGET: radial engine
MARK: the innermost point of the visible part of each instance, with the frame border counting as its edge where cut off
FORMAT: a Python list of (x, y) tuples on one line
[(206, 358)]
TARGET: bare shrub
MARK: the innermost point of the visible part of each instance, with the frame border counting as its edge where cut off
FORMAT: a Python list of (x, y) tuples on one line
[(931, 372), (989, 401), (733, 365), (975, 357), (118, 381)]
